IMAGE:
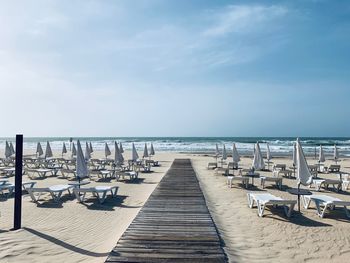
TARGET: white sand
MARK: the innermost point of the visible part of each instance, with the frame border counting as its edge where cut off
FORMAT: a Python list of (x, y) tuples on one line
[(87, 233), (273, 238), (74, 232)]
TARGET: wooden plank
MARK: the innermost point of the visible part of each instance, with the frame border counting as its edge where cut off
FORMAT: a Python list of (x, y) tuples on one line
[(174, 225)]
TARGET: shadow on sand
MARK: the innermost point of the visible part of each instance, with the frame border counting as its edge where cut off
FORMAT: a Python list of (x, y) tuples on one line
[(65, 244)]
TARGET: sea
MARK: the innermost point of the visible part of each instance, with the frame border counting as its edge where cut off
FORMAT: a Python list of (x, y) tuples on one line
[(279, 146)]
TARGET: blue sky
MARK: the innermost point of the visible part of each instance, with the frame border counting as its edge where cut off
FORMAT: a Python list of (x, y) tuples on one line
[(175, 68)]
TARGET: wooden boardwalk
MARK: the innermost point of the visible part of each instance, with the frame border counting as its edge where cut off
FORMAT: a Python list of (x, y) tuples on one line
[(173, 226)]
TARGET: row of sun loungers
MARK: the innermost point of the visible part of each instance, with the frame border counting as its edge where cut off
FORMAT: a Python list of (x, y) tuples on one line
[(56, 191), (323, 203)]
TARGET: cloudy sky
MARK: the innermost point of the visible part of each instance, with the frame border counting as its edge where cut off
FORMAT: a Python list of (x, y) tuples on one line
[(175, 68)]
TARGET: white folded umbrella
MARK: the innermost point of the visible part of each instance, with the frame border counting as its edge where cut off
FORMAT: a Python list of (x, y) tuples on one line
[(82, 169), (224, 153), (74, 150), (64, 149), (268, 154), (8, 152), (217, 152), (145, 151), (48, 151), (304, 176), (87, 152), (336, 154), (39, 149), (152, 152), (12, 149), (235, 156), (294, 154), (107, 150), (118, 157), (91, 149), (134, 154), (258, 161), (321, 157)]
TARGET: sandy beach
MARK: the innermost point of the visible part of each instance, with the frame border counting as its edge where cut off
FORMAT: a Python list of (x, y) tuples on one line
[(88, 232)]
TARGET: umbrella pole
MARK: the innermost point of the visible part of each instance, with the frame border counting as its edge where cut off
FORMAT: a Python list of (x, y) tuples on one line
[(299, 197)]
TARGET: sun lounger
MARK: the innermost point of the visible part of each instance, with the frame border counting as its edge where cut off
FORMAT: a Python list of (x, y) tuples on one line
[(122, 174), (10, 188), (55, 191), (101, 173), (144, 168), (41, 172), (333, 168), (212, 165), (262, 200), (327, 202), (276, 178), (98, 191), (242, 179), (337, 184)]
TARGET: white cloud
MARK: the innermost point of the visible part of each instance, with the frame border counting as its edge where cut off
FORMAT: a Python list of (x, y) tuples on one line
[(243, 19)]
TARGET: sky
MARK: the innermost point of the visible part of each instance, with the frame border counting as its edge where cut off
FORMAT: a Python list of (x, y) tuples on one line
[(175, 68)]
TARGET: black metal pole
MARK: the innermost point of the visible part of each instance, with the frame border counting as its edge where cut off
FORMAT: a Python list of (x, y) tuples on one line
[(18, 182), (299, 198)]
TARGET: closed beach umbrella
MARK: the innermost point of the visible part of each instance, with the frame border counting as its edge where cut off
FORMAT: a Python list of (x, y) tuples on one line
[(7, 150), (258, 161), (39, 149), (321, 158), (48, 151), (64, 149), (121, 148), (294, 154), (304, 176), (152, 152), (107, 150), (91, 149), (336, 154), (217, 152), (87, 152), (12, 149), (224, 153), (74, 150), (134, 154), (82, 169), (235, 155), (118, 157), (268, 153), (145, 151)]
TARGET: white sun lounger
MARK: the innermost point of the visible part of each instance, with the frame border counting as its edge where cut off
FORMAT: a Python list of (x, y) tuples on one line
[(55, 191), (98, 191), (337, 184), (243, 179), (10, 188), (325, 201), (275, 178), (122, 174), (262, 200), (41, 172)]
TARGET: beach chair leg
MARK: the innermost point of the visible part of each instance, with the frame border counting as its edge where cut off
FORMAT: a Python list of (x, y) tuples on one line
[(261, 209), (102, 198), (35, 200), (289, 210), (321, 211), (250, 201), (306, 201)]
